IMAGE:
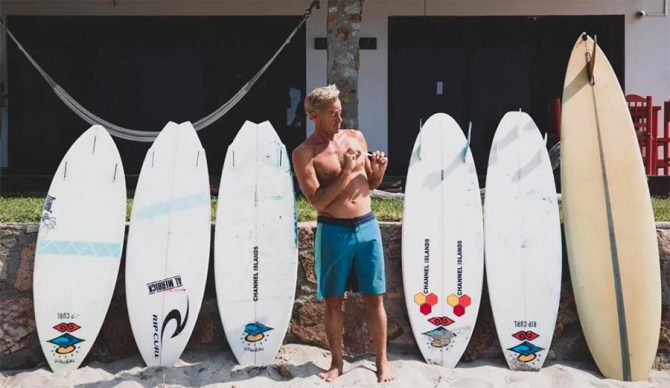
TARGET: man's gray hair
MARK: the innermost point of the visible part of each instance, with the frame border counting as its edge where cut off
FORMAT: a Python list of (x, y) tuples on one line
[(317, 96)]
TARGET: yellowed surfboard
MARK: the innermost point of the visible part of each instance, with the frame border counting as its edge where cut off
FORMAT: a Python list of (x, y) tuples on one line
[(609, 222)]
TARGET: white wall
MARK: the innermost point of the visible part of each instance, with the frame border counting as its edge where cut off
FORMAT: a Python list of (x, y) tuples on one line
[(647, 39)]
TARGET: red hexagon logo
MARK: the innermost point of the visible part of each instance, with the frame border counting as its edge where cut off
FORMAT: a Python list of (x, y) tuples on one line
[(465, 300), (425, 309), (431, 299), (459, 310)]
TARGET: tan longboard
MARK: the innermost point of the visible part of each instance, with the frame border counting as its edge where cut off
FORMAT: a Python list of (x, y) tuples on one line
[(609, 222)]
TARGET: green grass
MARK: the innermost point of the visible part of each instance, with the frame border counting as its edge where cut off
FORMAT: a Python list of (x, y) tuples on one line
[(387, 209), (27, 207), (306, 212), (661, 209), (21, 209)]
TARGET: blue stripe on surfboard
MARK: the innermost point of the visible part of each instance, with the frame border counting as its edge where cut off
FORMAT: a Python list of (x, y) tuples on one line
[(79, 248), (177, 204)]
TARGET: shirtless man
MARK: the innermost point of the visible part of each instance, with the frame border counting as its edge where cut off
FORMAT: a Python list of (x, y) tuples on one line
[(336, 176)]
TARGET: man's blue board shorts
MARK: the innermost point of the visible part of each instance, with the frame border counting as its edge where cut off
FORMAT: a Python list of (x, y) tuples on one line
[(349, 256)]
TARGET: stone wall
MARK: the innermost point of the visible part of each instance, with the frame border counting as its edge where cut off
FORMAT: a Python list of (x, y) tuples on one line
[(19, 345)]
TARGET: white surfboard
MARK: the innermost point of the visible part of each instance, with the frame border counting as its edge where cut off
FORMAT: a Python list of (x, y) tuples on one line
[(256, 254), (442, 241), (79, 248), (523, 242), (168, 245)]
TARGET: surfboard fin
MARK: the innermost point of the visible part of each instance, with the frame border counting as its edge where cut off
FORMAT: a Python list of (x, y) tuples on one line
[(197, 159), (65, 171), (95, 139), (467, 143), (517, 127), (116, 166)]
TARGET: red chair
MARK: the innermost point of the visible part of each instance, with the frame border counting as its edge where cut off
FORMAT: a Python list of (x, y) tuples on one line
[(641, 111), (663, 161)]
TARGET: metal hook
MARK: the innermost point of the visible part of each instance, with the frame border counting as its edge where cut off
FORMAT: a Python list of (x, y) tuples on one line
[(314, 4), (591, 61)]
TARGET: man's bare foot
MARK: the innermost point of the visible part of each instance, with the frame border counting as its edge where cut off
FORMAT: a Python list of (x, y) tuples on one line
[(332, 373), (384, 373)]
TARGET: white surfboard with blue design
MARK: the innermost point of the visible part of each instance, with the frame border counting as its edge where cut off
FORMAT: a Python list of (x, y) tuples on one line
[(79, 247), (256, 253), (168, 245)]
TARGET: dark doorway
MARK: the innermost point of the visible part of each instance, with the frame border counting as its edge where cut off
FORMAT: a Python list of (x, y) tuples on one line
[(141, 72), (478, 68)]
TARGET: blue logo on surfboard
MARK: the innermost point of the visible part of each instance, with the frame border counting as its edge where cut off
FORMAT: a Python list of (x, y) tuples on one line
[(255, 331)]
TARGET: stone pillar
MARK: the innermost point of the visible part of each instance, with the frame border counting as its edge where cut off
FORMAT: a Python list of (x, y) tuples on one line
[(344, 26)]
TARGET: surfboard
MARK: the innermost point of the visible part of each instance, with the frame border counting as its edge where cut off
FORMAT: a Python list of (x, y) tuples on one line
[(168, 244), (78, 249), (522, 232), (609, 222), (255, 246), (442, 241)]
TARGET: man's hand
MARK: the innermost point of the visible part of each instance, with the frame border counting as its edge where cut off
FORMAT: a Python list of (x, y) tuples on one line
[(350, 159), (378, 163), (377, 169)]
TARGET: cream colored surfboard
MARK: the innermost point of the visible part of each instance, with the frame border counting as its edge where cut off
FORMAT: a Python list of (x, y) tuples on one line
[(609, 223)]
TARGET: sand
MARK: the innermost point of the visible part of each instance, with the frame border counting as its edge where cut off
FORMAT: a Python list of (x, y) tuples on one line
[(297, 366)]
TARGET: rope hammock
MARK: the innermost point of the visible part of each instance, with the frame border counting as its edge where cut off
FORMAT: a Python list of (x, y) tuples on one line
[(149, 136)]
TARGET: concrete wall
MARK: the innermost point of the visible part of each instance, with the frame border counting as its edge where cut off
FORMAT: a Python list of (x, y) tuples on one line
[(19, 345), (647, 43)]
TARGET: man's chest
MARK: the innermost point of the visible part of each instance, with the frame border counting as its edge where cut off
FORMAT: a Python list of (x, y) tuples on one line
[(328, 163)]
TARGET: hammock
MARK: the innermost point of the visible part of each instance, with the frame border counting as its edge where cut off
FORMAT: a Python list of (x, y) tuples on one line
[(149, 136)]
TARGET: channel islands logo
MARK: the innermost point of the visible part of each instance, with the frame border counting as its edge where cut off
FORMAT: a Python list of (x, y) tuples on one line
[(425, 302), (459, 303)]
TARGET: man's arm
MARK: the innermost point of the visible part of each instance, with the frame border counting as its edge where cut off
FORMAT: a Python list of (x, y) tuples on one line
[(319, 196)]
